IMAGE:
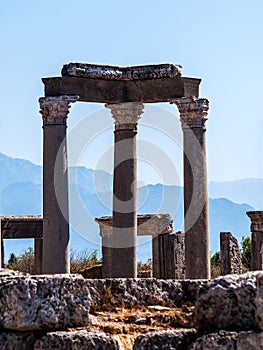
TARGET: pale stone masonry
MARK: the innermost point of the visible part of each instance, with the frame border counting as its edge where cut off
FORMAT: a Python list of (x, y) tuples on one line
[(230, 254)]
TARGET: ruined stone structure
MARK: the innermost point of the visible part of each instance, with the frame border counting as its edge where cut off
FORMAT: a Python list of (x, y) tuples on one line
[(172, 256), (58, 312), (124, 90), (230, 254), (19, 227), (256, 218), (167, 248)]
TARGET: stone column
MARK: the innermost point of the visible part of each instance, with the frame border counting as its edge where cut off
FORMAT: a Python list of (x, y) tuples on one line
[(256, 218), (123, 242), (54, 111), (193, 115)]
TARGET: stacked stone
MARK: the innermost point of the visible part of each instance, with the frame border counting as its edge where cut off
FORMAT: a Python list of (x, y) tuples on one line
[(228, 315), (33, 308), (230, 254)]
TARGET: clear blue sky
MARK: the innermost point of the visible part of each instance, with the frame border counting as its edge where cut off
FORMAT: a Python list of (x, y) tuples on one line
[(218, 41)]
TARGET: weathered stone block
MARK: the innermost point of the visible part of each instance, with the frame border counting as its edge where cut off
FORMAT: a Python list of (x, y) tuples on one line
[(216, 341), (230, 254), (17, 341), (77, 340), (43, 302), (174, 340), (259, 300), (227, 303), (250, 341)]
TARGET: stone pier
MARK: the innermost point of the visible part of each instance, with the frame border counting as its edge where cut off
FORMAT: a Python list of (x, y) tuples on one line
[(256, 218), (193, 115), (229, 254), (54, 111), (123, 241)]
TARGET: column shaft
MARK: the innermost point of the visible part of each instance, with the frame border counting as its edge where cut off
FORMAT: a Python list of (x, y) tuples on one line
[(123, 242), (55, 185), (193, 114)]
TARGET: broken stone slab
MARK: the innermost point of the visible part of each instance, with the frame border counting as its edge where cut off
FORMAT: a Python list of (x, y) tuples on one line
[(95, 71), (227, 303), (82, 340), (43, 302), (174, 340)]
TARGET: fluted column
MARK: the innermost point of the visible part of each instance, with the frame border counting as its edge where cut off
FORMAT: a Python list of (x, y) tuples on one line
[(256, 227), (54, 112), (122, 250), (193, 115)]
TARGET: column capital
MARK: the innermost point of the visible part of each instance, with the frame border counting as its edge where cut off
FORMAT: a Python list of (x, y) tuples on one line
[(256, 218), (126, 115), (55, 109), (193, 111)]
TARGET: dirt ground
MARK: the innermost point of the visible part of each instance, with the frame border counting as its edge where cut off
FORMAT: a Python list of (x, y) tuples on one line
[(126, 325)]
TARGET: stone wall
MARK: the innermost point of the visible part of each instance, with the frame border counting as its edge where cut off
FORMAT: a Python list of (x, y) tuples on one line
[(55, 312)]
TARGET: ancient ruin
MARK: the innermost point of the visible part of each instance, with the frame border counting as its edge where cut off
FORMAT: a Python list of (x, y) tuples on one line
[(59, 310), (229, 254), (124, 90), (19, 227)]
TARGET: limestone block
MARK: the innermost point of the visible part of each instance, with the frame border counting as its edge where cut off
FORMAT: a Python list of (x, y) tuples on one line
[(250, 341), (164, 340), (82, 340), (216, 341), (259, 300), (43, 302), (17, 341), (227, 303)]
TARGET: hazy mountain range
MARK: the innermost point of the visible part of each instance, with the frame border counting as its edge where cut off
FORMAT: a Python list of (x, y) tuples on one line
[(90, 193)]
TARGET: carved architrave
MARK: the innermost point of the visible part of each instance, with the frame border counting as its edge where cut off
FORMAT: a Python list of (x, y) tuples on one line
[(55, 110), (126, 115), (193, 111), (92, 71)]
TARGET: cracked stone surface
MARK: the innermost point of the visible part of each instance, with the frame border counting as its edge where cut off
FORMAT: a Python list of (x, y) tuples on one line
[(227, 303), (43, 302)]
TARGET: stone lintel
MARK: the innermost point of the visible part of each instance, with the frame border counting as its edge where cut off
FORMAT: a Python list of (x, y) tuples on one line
[(114, 91), (29, 226), (147, 224)]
